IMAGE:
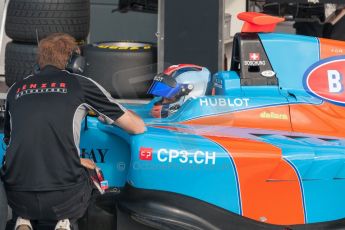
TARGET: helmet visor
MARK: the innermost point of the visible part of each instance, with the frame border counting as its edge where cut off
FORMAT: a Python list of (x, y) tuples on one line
[(161, 89), (164, 86)]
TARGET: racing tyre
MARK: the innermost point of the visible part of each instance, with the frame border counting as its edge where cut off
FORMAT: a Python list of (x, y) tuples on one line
[(19, 61), (125, 69), (24, 17)]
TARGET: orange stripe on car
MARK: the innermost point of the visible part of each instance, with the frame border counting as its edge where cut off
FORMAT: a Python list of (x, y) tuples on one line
[(330, 48), (275, 118), (323, 119), (269, 186)]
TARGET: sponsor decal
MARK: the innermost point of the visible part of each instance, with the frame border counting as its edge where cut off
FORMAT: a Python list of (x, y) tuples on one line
[(268, 73), (224, 102), (272, 115), (325, 80), (337, 50), (254, 63), (114, 47), (254, 56), (254, 60), (158, 78), (97, 155), (186, 157), (217, 82), (145, 154), (35, 88)]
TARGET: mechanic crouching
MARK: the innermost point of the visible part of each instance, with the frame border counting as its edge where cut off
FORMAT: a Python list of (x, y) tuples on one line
[(42, 172)]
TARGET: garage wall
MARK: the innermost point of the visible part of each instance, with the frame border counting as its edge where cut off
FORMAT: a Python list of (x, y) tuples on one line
[(234, 7), (108, 26)]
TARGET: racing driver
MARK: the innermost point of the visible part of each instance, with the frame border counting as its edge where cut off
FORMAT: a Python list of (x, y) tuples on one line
[(42, 172)]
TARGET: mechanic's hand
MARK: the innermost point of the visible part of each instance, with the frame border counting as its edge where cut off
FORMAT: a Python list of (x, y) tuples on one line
[(87, 163)]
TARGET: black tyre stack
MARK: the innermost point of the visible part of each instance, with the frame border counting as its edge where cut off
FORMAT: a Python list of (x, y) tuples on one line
[(123, 68), (29, 20)]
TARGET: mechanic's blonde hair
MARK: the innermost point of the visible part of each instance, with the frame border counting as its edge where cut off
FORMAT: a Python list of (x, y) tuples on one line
[(55, 50)]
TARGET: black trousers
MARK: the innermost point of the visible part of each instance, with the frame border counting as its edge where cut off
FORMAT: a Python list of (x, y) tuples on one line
[(51, 205), (3, 207)]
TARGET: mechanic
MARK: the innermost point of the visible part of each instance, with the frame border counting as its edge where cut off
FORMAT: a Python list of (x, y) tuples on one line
[(42, 172), (176, 85)]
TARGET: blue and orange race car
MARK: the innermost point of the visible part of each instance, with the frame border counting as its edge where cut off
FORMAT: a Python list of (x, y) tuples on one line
[(263, 149)]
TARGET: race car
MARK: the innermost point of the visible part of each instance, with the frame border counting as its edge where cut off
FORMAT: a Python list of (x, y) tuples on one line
[(263, 148)]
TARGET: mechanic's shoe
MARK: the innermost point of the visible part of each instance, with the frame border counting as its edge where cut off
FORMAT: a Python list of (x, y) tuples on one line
[(23, 224), (63, 225)]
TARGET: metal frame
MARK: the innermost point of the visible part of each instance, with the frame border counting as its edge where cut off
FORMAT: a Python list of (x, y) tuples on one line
[(221, 48), (160, 36), (2, 28)]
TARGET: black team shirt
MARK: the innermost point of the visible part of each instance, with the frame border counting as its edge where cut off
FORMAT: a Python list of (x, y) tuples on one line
[(42, 127)]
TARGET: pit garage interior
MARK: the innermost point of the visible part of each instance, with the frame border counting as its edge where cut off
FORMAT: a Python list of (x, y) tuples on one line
[(168, 32), (155, 22)]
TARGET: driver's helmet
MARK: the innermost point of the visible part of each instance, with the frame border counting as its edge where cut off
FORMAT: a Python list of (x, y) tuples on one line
[(176, 85)]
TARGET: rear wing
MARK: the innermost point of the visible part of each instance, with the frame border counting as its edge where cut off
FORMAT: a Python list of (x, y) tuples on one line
[(258, 22)]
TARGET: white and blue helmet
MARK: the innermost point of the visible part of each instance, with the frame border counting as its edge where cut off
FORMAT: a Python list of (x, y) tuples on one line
[(176, 85)]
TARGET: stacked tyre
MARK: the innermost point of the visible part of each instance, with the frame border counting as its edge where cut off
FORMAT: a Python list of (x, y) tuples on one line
[(28, 21), (124, 68)]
